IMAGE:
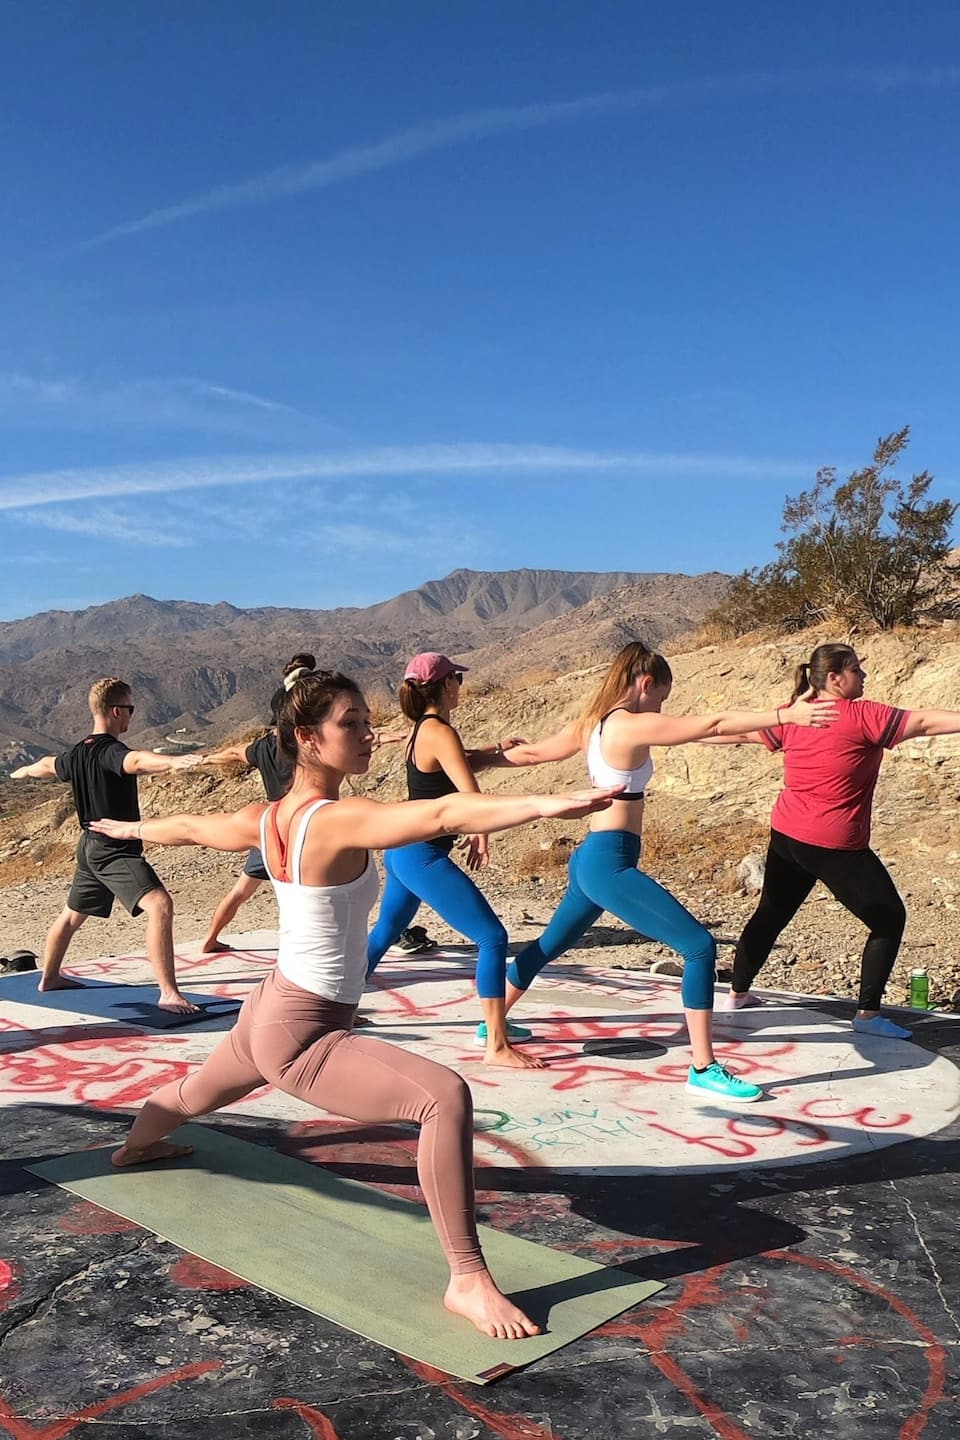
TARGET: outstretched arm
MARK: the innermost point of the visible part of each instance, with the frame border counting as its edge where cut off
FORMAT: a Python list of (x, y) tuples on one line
[(560, 746), (374, 826), (237, 831), (651, 728), (44, 769), (226, 756), (492, 757), (389, 737), (925, 724), (752, 737), (145, 762)]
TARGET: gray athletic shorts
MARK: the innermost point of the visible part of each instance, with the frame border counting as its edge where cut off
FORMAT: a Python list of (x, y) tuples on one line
[(254, 866), (105, 873)]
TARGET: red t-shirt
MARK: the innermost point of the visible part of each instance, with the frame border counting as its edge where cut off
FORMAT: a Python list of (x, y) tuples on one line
[(830, 775)]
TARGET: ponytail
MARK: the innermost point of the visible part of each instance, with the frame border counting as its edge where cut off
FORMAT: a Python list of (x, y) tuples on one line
[(417, 696), (801, 681)]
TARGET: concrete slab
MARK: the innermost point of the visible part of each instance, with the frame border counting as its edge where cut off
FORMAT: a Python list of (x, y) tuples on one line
[(813, 1289)]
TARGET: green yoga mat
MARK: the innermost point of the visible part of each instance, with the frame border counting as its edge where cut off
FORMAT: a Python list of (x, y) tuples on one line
[(367, 1260)]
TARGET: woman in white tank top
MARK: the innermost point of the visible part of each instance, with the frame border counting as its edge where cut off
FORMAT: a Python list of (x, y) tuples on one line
[(295, 1030), (619, 724)]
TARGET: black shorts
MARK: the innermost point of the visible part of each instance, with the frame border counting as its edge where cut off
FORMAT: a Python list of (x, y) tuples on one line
[(105, 873), (254, 866)]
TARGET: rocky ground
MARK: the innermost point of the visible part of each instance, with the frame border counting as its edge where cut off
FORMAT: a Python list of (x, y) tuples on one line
[(709, 809)]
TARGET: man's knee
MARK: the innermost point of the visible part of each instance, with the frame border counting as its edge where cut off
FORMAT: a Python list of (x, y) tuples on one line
[(157, 903), (70, 920)]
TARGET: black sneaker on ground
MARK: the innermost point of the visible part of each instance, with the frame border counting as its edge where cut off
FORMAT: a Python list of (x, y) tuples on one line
[(414, 941), (19, 961)]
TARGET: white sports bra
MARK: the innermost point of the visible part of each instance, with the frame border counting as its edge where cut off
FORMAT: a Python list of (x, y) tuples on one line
[(323, 928), (602, 774)]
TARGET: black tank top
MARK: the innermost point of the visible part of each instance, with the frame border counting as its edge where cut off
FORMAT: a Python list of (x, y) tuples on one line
[(429, 784), (426, 784)]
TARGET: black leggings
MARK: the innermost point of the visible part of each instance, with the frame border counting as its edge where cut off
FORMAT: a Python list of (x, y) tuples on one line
[(857, 878)]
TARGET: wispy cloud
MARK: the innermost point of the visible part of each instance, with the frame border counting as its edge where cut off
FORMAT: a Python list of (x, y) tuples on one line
[(470, 126), (108, 523), (50, 487), (174, 402)]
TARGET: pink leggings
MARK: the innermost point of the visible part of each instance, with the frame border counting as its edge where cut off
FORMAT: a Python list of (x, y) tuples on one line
[(303, 1044)]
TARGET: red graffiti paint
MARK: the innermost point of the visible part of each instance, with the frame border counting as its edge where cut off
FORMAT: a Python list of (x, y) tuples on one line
[(508, 1427), (9, 1285), (85, 1218), (320, 1426), (192, 1273), (23, 1430), (865, 1116)]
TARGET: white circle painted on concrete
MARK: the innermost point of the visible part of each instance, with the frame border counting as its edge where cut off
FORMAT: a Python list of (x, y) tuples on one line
[(611, 1099)]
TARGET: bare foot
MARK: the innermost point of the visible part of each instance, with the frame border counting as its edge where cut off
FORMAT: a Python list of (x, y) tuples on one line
[(160, 1150), (215, 947), (59, 982), (513, 1059), (478, 1299), (178, 1004)]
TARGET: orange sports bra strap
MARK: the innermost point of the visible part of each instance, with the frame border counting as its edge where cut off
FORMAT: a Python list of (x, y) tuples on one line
[(283, 846)]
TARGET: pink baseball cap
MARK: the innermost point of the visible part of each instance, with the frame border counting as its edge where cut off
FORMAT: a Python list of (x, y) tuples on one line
[(429, 667)]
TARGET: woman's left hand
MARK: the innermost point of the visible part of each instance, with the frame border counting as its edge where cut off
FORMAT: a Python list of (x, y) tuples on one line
[(476, 850)]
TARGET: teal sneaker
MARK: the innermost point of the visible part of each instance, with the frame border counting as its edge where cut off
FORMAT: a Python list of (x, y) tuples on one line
[(717, 1080), (515, 1034)]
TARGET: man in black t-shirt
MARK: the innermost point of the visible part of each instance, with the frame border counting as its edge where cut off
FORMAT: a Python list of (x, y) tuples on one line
[(102, 773)]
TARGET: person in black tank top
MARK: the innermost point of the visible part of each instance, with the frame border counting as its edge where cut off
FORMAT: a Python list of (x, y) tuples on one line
[(438, 765)]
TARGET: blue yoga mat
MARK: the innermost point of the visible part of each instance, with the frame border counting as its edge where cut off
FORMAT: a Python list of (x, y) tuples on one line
[(136, 1004)]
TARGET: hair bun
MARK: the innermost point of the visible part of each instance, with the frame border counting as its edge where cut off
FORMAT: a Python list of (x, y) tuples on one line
[(290, 680)]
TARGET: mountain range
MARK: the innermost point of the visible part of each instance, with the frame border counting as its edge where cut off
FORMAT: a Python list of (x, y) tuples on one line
[(207, 671)]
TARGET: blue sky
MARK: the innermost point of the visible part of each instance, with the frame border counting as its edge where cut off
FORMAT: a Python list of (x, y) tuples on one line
[(308, 303)]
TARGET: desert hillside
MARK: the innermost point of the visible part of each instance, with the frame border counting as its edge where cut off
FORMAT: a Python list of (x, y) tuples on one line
[(201, 672), (709, 808)]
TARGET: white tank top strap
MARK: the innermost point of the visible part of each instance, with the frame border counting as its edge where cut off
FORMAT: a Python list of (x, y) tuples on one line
[(301, 836)]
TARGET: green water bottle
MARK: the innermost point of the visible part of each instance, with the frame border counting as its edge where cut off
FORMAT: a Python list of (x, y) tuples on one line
[(919, 990)]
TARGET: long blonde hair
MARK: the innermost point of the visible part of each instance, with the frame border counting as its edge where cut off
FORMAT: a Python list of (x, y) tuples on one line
[(633, 660)]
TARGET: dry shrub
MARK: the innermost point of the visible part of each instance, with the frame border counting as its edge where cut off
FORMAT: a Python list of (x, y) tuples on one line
[(539, 861), (484, 687), (691, 850), (383, 707), (532, 679)]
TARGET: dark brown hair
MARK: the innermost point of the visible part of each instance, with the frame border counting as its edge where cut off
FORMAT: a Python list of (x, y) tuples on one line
[(308, 702), (825, 660), (633, 660), (416, 697), (302, 661)]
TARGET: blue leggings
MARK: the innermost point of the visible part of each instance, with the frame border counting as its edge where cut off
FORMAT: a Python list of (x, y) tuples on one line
[(603, 876), (425, 872)]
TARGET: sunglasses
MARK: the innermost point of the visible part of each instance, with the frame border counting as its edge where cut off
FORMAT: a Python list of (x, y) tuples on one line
[(131, 708), (458, 676)]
